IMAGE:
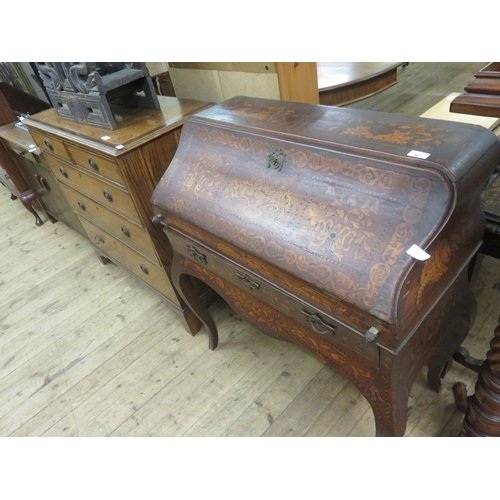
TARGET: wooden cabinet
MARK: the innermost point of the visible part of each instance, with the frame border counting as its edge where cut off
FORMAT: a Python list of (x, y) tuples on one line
[(348, 233), (108, 178), (32, 165)]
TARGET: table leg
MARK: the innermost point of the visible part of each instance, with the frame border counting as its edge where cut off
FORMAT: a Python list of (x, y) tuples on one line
[(482, 409)]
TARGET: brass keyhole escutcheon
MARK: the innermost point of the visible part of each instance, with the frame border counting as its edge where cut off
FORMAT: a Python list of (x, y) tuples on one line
[(277, 159)]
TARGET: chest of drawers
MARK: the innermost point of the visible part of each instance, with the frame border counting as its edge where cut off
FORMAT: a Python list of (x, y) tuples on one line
[(348, 233), (108, 177), (32, 164)]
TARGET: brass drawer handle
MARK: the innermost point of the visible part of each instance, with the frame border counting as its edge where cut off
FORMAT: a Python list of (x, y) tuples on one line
[(63, 172), (107, 195), (81, 205), (248, 282), (125, 231), (99, 239), (199, 257), (93, 164), (317, 324), (144, 269), (48, 144)]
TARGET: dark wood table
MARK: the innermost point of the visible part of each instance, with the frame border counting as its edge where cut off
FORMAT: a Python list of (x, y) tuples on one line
[(342, 83), (481, 96)]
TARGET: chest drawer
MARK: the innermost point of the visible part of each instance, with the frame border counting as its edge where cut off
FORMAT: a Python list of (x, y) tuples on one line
[(113, 223), (318, 322), (50, 145), (97, 164), (143, 268), (110, 196)]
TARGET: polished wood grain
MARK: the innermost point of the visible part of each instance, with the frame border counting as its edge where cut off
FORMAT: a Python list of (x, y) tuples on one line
[(298, 81), (136, 126), (342, 83)]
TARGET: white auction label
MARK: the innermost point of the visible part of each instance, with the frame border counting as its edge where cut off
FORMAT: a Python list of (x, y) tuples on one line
[(417, 253), (418, 154)]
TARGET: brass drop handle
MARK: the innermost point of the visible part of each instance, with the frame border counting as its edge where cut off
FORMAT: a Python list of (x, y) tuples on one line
[(99, 239), (248, 282), (93, 164), (317, 324), (48, 144), (144, 269), (107, 195), (63, 172), (199, 257), (81, 205), (125, 231)]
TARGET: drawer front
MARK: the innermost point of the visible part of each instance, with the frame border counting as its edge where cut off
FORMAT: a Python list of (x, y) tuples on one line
[(303, 313), (50, 145), (122, 229), (108, 195), (97, 164), (143, 268)]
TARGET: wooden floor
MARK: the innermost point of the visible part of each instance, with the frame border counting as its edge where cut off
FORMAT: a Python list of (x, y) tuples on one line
[(85, 350)]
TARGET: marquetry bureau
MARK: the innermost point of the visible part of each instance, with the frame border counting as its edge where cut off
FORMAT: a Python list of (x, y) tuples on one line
[(345, 232), (108, 177)]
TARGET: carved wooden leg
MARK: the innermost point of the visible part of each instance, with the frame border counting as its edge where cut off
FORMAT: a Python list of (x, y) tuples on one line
[(482, 409), (27, 200), (184, 287)]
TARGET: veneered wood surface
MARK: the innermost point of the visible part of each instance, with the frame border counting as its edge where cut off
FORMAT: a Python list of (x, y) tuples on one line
[(342, 83), (136, 126)]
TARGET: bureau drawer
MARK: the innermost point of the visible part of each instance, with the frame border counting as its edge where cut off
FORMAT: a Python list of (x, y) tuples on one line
[(119, 227), (318, 322), (143, 268), (50, 144), (110, 196), (95, 163)]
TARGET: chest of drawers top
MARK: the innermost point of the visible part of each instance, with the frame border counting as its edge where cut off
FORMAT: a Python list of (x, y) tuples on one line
[(136, 127)]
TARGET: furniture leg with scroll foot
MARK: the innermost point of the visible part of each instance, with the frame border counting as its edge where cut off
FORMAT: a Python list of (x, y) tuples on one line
[(184, 287), (27, 201)]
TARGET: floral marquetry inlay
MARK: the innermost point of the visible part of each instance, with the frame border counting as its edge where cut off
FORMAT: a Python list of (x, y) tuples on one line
[(342, 222)]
